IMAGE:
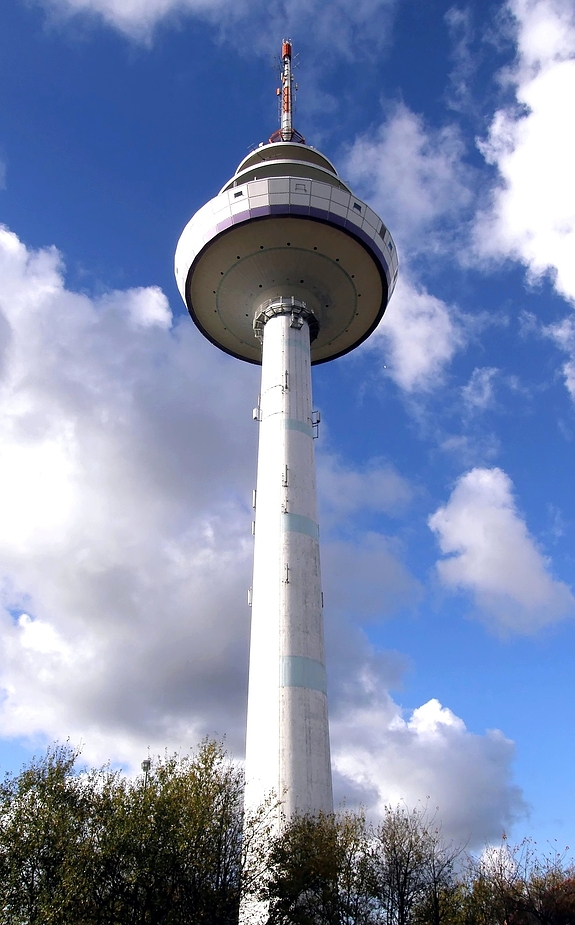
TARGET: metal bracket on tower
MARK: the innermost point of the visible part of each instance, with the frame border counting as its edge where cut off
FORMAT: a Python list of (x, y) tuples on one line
[(298, 311), (315, 422)]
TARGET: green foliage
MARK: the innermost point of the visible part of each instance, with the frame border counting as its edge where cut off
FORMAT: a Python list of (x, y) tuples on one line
[(99, 848), (319, 868), (339, 869), (96, 848)]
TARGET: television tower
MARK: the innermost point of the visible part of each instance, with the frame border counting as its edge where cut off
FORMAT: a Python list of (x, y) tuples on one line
[(286, 268)]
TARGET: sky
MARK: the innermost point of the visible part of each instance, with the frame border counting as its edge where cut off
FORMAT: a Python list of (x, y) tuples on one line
[(445, 456)]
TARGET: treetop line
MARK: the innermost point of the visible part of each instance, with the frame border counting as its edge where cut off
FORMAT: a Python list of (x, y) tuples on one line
[(93, 847)]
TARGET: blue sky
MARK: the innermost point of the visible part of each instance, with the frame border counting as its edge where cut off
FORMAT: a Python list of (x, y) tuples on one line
[(446, 451)]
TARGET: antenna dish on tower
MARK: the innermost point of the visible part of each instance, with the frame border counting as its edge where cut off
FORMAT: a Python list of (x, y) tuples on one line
[(286, 131)]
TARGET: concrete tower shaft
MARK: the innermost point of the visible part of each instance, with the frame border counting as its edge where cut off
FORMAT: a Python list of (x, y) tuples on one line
[(287, 746)]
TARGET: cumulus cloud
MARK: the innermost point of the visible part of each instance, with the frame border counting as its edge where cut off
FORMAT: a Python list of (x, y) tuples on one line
[(127, 455), (531, 143), (492, 555), (145, 307), (380, 754), (128, 452), (413, 176), (428, 758), (417, 337)]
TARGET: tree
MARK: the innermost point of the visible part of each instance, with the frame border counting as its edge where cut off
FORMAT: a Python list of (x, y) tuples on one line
[(319, 871), (339, 869), (43, 814), (96, 848), (519, 885), (93, 847), (414, 869)]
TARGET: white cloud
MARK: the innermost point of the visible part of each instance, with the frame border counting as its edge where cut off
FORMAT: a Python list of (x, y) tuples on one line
[(343, 491), (563, 333), (429, 758), (531, 217), (365, 579), (412, 175), (381, 756), (146, 307), (472, 449), (478, 393), (126, 457), (346, 28), (125, 554), (460, 25), (417, 337), (415, 180), (138, 18), (492, 555)]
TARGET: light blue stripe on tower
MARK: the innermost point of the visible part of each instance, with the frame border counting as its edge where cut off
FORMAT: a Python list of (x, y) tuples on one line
[(298, 523), (299, 344), (299, 671), (294, 424)]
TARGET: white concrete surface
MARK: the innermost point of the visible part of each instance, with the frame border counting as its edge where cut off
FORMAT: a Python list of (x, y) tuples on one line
[(287, 747)]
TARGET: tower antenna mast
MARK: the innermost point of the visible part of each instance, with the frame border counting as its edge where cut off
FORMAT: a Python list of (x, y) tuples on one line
[(286, 131), (286, 93)]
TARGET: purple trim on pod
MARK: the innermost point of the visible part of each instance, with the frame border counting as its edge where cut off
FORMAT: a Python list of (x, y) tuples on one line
[(322, 214), (313, 212), (299, 210)]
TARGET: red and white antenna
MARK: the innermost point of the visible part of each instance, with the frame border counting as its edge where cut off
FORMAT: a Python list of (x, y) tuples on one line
[(286, 131), (287, 94)]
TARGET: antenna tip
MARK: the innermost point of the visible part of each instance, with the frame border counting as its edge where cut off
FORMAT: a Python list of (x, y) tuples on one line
[(286, 48)]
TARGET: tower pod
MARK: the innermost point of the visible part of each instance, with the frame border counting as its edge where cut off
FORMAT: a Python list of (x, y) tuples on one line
[(286, 225)]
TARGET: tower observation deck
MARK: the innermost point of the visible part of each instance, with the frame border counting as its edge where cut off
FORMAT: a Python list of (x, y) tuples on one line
[(286, 268)]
